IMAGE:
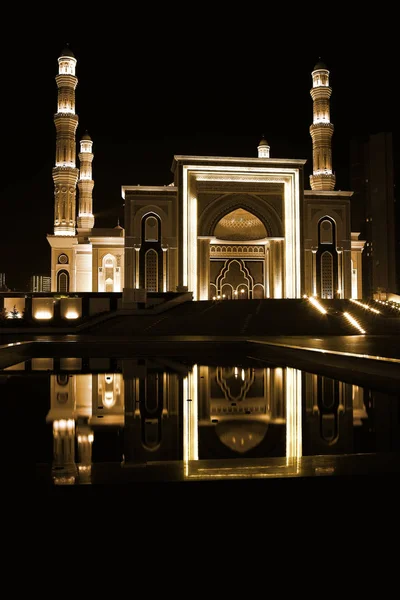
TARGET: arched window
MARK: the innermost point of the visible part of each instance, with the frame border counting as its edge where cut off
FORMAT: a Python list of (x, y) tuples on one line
[(63, 281), (326, 275), (151, 270)]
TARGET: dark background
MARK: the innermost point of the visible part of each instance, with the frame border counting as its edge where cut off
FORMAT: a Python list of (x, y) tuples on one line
[(190, 80)]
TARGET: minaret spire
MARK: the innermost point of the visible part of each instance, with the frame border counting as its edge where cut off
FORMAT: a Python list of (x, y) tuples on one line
[(65, 173), (321, 130), (85, 184)]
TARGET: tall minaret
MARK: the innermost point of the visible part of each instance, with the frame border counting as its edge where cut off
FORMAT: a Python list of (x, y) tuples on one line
[(65, 173), (85, 184), (321, 130)]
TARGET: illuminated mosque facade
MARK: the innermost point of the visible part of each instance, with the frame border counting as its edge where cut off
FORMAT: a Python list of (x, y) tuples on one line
[(226, 226)]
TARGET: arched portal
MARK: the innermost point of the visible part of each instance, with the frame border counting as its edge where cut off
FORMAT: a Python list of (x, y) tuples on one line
[(109, 277), (239, 257)]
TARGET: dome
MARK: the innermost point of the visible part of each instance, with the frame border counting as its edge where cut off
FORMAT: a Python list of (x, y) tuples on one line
[(240, 225), (67, 52), (263, 142), (86, 137), (320, 65)]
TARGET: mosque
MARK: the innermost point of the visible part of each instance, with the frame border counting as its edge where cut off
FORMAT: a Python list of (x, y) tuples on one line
[(227, 226)]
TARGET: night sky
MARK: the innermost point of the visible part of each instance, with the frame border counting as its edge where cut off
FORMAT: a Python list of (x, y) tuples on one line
[(150, 88)]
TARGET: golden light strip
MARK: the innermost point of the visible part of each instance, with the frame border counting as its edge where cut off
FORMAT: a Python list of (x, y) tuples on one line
[(190, 419), (192, 244), (185, 227), (354, 322), (365, 306), (317, 305), (294, 446), (292, 237)]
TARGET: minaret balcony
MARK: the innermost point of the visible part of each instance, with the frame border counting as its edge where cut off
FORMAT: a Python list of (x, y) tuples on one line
[(323, 181), (321, 93)]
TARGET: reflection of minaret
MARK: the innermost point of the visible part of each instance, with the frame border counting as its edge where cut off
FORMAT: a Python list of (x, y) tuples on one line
[(85, 184), (65, 173), (263, 148), (321, 130), (64, 470)]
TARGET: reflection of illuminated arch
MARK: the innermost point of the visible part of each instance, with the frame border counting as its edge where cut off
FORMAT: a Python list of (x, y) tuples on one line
[(151, 392), (329, 408), (62, 281), (241, 437), (223, 377)]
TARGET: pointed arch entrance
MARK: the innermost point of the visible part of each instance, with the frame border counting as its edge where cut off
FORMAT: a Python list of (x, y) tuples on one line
[(240, 252), (211, 187)]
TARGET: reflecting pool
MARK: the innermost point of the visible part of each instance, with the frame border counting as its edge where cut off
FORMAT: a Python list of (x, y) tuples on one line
[(101, 419)]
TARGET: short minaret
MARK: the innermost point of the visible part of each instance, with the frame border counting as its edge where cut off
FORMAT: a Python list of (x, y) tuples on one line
[(263, 148), (85, 184), (321, 130), (65, 173)]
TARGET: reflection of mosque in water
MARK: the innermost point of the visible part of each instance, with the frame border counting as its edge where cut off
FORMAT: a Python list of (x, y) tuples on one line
[(141, 410)]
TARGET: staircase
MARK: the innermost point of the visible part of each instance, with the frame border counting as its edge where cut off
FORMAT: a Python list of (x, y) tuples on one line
[(246, 318)]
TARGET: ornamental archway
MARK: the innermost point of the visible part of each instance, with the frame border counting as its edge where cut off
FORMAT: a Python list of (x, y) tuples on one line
[(240, 253)]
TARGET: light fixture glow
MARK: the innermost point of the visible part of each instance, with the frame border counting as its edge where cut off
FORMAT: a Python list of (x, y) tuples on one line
[(353, 321), (72, 314), (365, 306), (43, 314), (317, 305)]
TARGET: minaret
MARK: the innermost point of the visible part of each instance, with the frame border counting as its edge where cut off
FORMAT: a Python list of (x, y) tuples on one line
[(263, 148), (85, 184), (65, 173), (321, 130)]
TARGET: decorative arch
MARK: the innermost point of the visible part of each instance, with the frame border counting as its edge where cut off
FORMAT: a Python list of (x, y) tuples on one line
[(151, 254), (153, 210), (109, 276), (239, 285), (63, 281), (227, 203), (327, 231), (327, 258), (151, 394)]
